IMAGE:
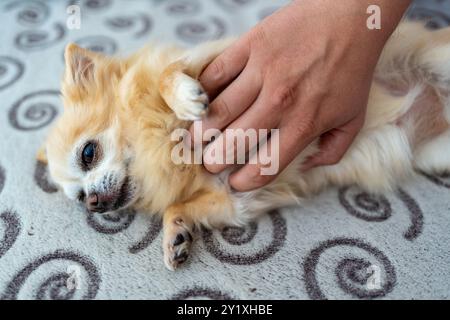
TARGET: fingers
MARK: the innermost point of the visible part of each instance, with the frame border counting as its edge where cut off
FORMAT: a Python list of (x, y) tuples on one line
[(250, 176), (332, 146), (231, 103), (225, 67), (272, 158), (246, 128)]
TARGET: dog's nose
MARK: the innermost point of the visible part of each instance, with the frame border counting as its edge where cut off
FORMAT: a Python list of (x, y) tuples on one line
[(92, 203), (97, 203)]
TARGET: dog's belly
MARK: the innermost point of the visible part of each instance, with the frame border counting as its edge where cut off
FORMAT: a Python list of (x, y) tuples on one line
[(425, 119)]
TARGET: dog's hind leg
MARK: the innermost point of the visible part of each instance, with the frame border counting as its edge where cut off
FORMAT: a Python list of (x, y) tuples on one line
[(427, 63), (418, 60), (179, 86), (208, 208)]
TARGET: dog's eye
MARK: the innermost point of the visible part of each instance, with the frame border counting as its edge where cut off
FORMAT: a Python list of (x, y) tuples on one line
[(88, 154)]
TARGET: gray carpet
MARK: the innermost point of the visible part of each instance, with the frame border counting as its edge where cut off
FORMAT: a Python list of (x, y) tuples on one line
[(342, 244)]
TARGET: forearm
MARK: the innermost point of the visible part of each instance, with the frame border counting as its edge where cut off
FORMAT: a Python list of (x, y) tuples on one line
[(354, 15), (349, 21)]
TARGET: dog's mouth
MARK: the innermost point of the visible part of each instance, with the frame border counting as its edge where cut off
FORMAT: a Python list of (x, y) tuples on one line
[(117, 200), (125, 195)]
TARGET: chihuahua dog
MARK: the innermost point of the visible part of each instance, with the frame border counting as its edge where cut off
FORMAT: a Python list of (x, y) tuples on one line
[(111, 148)]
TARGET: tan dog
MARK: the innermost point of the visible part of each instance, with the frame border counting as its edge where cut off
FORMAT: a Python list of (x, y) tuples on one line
[(111, 148)]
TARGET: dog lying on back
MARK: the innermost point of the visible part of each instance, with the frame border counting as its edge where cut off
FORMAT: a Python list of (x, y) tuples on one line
[(111, 148)]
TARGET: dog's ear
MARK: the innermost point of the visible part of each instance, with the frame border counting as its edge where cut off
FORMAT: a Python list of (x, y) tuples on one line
[(80, 65)]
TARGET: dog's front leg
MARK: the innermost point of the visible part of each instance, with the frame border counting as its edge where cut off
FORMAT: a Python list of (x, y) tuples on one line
[(179, 86), (182, 93), (210, 208)]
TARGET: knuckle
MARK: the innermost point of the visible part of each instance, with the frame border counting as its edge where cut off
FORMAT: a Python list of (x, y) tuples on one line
[(257, 37), (218, 70), (282, 97), (305, 128), (221, 111)]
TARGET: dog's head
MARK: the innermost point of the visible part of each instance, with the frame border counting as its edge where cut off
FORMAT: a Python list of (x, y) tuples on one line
[(88, 151)]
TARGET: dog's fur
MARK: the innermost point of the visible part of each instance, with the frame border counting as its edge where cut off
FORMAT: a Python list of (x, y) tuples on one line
[(131, 106)]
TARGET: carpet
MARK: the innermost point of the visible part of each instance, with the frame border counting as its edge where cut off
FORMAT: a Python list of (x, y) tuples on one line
[(342, 244)]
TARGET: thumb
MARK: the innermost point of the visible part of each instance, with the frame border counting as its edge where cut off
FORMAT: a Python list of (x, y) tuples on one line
[(332, 146)]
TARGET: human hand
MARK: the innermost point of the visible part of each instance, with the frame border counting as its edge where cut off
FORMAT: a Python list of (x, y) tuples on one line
[(307, 71)]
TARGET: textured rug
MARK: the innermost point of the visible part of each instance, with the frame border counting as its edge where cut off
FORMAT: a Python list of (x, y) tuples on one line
[(342, 244)]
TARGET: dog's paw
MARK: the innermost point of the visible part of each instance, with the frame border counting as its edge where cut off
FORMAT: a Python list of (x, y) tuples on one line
[(190, 101), (177, 245)]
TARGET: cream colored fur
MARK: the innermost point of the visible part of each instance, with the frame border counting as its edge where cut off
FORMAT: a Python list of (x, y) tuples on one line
[(131, 106)]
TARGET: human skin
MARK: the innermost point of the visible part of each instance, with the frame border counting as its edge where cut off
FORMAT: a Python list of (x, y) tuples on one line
[(305, 70)]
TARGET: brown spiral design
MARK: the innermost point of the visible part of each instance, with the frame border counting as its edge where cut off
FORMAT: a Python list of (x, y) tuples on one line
[(2, 179), (11, 70), (141, 23), (153, 230), (239, 236), (441, 180), (32, 112), (183, 7), (92, 5), (376, 208), (351, 271), (234, 4), (31, 40), (197, 292), (54, 286), (42, 179), (31, 12), (101, 44), (365, 206), (196, 31), (11, 230), (110, 223), (434, 19)]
